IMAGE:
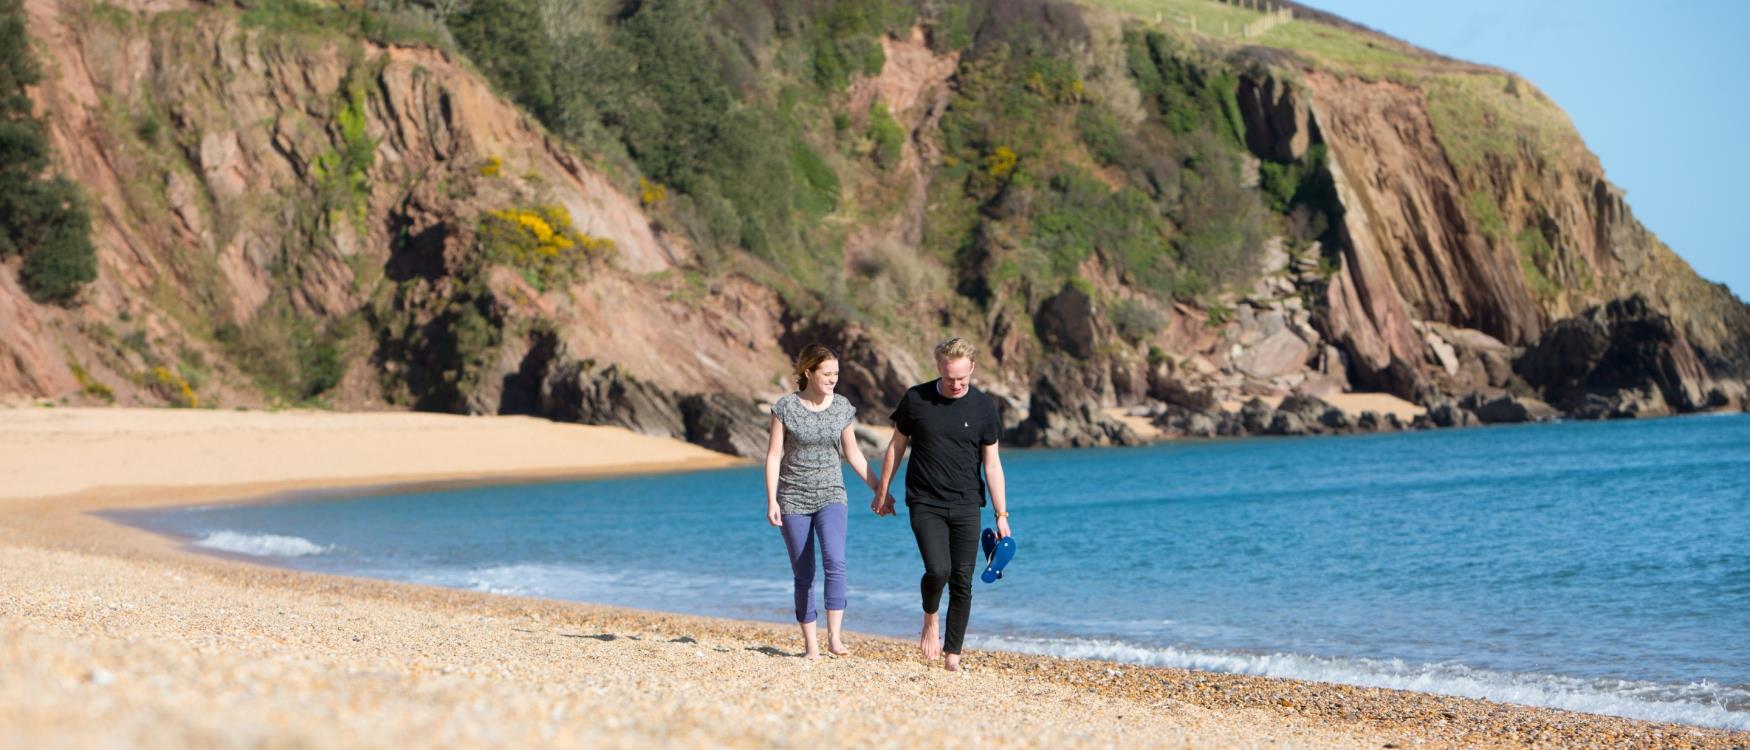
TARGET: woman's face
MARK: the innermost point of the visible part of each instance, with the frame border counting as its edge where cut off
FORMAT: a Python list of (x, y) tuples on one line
[(825, 376)]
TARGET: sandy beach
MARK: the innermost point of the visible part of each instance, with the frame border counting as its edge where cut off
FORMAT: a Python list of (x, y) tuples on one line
[(110, 635)]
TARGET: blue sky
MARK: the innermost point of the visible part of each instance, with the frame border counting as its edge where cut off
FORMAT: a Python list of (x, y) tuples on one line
[(1655, 88)]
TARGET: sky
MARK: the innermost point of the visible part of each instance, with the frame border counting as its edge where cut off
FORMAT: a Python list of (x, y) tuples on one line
[(1658, 90)]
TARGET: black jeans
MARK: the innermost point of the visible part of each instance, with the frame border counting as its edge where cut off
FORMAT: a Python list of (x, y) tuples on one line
[(948, 540)]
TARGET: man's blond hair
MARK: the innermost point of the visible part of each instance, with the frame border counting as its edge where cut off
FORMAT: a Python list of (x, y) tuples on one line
[(953, 349)]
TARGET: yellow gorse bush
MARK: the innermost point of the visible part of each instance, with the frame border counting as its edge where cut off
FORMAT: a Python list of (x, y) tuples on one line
[(541, 243), (174, 387), (1001, 162), (651, 193)]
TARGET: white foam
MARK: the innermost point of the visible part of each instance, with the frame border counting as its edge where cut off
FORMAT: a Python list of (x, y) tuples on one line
[(262, 545), (1701, 703)]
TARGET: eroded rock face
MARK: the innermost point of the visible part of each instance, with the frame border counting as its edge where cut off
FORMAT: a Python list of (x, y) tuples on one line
[(1406, 211), (1613, 358), (1278, 121)]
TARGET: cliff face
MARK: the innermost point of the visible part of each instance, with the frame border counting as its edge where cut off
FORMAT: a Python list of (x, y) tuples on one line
[(270, 197), (1505, 247), (290, 210)]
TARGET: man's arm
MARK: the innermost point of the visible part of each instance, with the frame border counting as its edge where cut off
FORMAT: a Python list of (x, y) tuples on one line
[(883, 505), (993, 478)]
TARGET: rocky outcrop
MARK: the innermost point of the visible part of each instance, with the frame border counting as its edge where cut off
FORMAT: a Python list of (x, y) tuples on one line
[(1067, 321), (577, 391), (1512, 410), (725, 424), (1615, 358), (1064, 412)]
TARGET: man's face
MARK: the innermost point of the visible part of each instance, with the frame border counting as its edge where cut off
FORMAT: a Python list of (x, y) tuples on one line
[(956, 376)]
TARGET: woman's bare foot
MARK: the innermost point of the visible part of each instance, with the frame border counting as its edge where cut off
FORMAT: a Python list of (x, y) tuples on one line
[(835, 645), (951, 662), (930, 641)]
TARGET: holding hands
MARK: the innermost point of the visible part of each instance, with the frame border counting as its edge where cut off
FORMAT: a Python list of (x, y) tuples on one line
[(882, 504)]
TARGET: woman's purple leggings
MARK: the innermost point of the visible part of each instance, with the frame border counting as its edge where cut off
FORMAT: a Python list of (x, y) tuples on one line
[(828, 524)]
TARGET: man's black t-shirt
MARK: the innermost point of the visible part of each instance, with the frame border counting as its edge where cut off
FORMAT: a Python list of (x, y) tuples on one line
[(947, 435)]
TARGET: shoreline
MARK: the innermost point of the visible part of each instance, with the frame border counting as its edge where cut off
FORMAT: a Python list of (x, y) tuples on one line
[(61, 545)]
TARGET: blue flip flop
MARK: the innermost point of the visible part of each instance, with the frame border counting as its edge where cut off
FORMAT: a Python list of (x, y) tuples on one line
[(997, 554)]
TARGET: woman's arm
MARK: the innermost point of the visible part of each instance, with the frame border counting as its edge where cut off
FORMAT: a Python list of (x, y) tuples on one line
[(883, 505), (774, 458), (854, 454)]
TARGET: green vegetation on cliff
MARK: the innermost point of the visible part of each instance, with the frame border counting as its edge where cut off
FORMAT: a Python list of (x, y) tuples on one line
[(42, 217), (742, 109)]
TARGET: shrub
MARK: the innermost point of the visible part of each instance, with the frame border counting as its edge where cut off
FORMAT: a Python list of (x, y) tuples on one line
[(651, 194), (887, 136), (88, 385), (822, 193), (845, 39), (171, 387), (1136, 321), (1099, 132), (342, 175), (511, 45), (62, 260), (1187, 96), (540, 242), (1082, 216), (44, 219)]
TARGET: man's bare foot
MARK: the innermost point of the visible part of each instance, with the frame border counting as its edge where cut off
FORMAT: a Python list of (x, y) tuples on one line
[(930, 641), (951, 662), (810, 642)]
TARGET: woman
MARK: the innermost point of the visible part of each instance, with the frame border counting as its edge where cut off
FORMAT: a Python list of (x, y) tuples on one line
[(805, 490)]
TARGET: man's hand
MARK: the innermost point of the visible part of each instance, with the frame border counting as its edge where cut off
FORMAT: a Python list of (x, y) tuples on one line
[(883, 504), (1002, 528)]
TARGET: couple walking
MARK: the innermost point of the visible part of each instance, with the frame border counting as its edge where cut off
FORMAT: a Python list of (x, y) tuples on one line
[(952, 431)]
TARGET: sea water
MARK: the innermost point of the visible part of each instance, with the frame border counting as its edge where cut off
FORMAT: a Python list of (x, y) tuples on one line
[(1601, 567)]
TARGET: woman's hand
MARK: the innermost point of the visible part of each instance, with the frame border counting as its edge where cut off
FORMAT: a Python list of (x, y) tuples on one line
[(883, 504), (774, 516)]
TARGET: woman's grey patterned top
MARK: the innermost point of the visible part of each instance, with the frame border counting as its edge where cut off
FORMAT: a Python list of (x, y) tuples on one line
[(809, 477)]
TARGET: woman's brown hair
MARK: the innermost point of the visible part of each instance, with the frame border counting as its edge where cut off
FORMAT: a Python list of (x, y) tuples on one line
[(810, 358)]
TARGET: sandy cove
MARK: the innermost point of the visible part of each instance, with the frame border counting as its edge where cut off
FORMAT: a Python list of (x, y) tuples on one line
[(114, 636)]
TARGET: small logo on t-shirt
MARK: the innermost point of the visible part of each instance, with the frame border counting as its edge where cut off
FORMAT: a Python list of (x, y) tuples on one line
[(965, 424)]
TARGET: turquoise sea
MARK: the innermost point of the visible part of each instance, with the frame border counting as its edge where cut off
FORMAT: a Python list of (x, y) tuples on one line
[(1601, 567)]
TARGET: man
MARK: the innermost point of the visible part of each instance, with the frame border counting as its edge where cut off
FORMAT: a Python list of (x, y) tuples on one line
[(952, 429)]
